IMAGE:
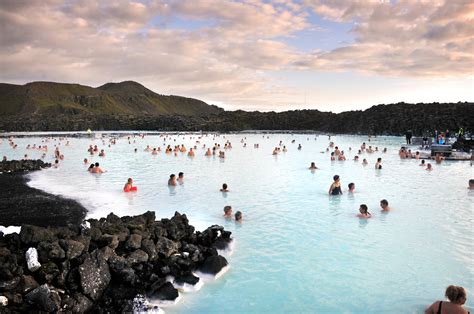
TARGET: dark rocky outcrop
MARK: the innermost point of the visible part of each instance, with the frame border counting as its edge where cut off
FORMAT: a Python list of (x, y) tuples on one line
[(102, 268), (12, 166)]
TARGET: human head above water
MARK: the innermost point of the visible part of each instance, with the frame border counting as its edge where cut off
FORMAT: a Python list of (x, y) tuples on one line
[(363, 209), (336, 178), (172, 176), (97, 164), (180, 175), (227, 210), (224, 186), (238, 216), (456, 294), (471, 184), (383, 203), (351, 186)]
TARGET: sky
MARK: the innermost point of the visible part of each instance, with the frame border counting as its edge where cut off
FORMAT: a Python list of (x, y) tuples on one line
[(251, 54)]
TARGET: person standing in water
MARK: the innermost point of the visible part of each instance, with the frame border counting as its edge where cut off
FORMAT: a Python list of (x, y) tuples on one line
[(364, 212), (228, 211), (384, 205), (172, 180), (456, 296), (378, 164), (335, 188), (181, 178), (238, 216), (351, 187)]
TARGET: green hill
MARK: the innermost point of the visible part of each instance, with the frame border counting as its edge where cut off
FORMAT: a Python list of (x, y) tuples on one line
[(112, 98)]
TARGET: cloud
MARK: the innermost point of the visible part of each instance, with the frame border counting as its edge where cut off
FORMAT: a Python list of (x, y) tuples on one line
[(235, 55), (404, 38)]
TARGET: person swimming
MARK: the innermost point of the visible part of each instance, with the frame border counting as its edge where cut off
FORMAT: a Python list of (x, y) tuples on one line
[(181, 178), (313, 166), (364, 212), (172, 180), (384, 205), (422, 163), (457, 298), (429, 167), (91, 167), (365, 162), (238, 216), (224, 188), (128, 187), (335, 188), (471, 184), (228, 211)]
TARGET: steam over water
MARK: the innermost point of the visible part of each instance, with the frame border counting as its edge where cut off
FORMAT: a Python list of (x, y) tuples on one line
[(297, 250)]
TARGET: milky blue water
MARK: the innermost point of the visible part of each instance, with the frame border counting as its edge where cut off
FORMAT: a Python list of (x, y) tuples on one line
[(298, 249)]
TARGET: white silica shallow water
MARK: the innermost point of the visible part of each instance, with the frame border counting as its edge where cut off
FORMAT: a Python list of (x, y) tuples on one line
[(297, 249)]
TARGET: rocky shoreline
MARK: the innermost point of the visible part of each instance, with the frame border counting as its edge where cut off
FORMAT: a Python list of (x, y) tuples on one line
[(21, 204), (114, 264)]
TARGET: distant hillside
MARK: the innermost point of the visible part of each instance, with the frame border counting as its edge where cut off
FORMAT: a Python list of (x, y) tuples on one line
[(112, 98), (46, 106)]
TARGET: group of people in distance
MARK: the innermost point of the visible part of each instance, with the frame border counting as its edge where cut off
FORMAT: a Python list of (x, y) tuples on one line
[(228, 214), (336, 189), (172, 181)]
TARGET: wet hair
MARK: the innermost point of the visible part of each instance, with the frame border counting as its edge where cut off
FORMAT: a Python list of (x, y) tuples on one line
[(91, 166), (227, 209), (423, 161), (455, 294), (129, 180), (172, 176), (97, 164), (350, 185), (238, 215), (180, 174), (384, 202), (336, 177), (471, 181), (379, 159), (365, 208), (224, 186)]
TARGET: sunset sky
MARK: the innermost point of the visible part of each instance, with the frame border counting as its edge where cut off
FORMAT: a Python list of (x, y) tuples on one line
[(253, 55)]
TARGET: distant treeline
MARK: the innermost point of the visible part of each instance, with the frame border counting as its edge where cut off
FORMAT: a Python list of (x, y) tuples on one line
[(393, 119)]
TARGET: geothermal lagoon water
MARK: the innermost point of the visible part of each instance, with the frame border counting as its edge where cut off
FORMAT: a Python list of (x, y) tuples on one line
[(297, 250)]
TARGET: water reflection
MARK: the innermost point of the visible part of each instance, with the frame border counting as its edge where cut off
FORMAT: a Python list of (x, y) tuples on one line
[(172, 189), (363, 222)]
